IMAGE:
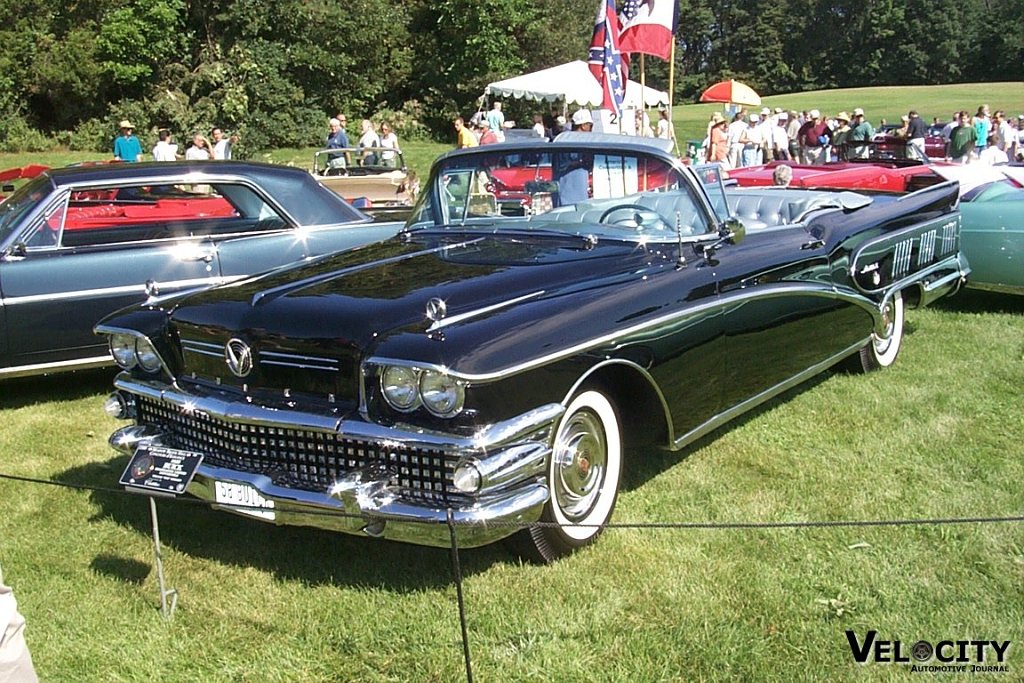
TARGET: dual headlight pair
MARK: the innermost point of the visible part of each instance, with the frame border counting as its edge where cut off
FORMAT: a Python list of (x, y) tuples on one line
[(130, 350), (407, 388)]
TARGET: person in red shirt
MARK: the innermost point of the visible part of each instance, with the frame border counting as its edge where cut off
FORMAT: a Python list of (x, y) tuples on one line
[(814, 136)]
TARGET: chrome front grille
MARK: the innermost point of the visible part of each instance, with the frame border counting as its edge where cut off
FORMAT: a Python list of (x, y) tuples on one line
[(298, 458)]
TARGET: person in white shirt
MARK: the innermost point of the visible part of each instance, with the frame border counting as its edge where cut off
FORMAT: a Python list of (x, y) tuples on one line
[(665, 130), (751, 139), (389, 140), (367, 140), (993, 154), (538, 126), (735, 132), (222, 144), (200, 149), (165, 150)]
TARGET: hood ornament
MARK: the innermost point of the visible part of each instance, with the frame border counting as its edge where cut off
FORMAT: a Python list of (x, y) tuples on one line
[(239, 357), (437, 309)]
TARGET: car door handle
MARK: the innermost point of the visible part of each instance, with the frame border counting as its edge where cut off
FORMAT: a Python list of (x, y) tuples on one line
[(813, 244), (205, 255)]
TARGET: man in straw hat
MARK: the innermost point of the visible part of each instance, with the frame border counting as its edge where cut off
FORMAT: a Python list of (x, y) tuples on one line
[(126, 146)]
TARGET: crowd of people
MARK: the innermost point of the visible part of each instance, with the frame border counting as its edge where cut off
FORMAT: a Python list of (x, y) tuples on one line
[(754, 138), (371, 149), (128, 147), (488, 127)]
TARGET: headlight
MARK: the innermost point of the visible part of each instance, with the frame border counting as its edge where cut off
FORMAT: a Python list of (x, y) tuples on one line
[(122, 348), (146, 355), (400, 387), (442, 394)]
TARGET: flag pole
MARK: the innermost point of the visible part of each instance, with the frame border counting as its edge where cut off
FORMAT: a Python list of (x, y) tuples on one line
[(671, 89)]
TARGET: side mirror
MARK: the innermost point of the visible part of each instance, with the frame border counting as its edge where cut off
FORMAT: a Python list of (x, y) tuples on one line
[(15, 252)]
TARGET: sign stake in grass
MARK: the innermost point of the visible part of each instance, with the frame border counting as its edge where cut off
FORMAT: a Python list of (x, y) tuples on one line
[(166, 611)]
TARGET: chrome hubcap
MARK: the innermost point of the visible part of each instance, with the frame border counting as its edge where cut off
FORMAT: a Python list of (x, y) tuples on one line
[(580, 458), (888, 319)]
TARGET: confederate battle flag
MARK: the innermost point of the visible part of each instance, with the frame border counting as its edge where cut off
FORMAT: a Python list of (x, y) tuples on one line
[(648, 26), (606, 60)]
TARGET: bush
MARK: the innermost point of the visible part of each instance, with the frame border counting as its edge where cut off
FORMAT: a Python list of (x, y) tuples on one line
[(17, 136), (91, 135), (407, 122)]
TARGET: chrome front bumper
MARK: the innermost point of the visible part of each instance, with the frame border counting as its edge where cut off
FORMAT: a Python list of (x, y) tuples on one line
[(516, 454)]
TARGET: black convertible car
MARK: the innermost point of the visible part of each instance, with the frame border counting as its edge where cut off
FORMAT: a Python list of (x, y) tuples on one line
[(548, 307)]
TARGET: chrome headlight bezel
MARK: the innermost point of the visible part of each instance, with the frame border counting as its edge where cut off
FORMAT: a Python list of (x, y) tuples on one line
[(442, 395), (399, 385), (122, 349), (146, 355)]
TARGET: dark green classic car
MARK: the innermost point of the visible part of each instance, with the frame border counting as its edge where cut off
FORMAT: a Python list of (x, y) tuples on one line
[(79, 243)]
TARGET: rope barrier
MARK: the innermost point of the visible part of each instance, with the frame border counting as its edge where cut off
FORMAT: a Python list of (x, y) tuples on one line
[(928, 521), (453, 526)]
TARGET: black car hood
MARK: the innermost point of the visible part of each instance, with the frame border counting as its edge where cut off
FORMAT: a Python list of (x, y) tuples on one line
[(364, 297)]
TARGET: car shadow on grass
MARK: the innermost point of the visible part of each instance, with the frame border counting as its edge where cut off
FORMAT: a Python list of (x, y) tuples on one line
[(312, 556), (70, 386), (980, 301), (655, 461)]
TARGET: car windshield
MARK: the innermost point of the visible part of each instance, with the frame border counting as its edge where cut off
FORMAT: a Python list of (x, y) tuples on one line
[(22, 203), (602, 191), (888, 149)]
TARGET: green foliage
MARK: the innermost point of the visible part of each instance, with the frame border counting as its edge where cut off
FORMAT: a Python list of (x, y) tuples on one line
[(273, 70), (407, 122)]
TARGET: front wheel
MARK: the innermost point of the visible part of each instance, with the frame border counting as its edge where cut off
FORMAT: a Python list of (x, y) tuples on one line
[(883, 348), (583, 477)]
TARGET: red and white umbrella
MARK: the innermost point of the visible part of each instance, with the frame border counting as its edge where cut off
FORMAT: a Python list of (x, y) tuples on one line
[(731, 92)]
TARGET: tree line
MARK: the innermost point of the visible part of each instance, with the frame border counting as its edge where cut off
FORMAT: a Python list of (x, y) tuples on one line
[(272, 70)]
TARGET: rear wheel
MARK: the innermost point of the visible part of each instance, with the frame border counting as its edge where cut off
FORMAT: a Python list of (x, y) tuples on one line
[(883, 348), (583, 478)]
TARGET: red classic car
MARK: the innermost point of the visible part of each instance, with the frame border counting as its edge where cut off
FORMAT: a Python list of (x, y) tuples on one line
[(934, 143), (885, 166)]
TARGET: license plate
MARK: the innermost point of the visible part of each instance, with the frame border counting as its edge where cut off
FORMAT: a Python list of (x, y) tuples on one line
[(248, 499)]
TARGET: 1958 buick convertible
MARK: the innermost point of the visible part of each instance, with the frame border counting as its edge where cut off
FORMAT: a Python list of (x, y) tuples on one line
[(503, 361)]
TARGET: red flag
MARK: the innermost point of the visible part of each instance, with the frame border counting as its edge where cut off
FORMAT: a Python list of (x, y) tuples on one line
[(609, 66), (649, 26)]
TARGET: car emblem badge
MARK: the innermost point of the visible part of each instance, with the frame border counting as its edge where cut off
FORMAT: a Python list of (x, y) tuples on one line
[(239, 357), (436, 309)]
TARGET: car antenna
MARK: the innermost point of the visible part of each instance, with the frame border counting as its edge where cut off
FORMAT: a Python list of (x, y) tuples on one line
[(681, 259)]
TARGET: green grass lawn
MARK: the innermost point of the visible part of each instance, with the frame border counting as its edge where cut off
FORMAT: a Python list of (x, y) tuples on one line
[(936, 436)]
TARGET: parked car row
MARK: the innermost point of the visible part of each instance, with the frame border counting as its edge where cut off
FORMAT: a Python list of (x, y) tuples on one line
[(79, 243)]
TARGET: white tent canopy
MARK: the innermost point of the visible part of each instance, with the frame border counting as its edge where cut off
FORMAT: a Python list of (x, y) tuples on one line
[(572, 82)]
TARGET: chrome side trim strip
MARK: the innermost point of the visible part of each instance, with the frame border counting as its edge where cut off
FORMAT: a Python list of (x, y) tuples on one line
[(452, 320), (58, 366), (812, 289), (107, 291), (754, 401)]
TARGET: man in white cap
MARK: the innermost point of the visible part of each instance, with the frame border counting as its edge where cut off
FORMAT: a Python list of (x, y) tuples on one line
[(861, 131), (583, 121)]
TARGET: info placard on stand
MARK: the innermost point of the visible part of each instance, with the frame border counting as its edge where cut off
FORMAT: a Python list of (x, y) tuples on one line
[(160, 471)]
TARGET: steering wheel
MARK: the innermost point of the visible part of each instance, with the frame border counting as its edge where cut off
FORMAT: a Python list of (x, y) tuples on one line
[(634, 216)]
